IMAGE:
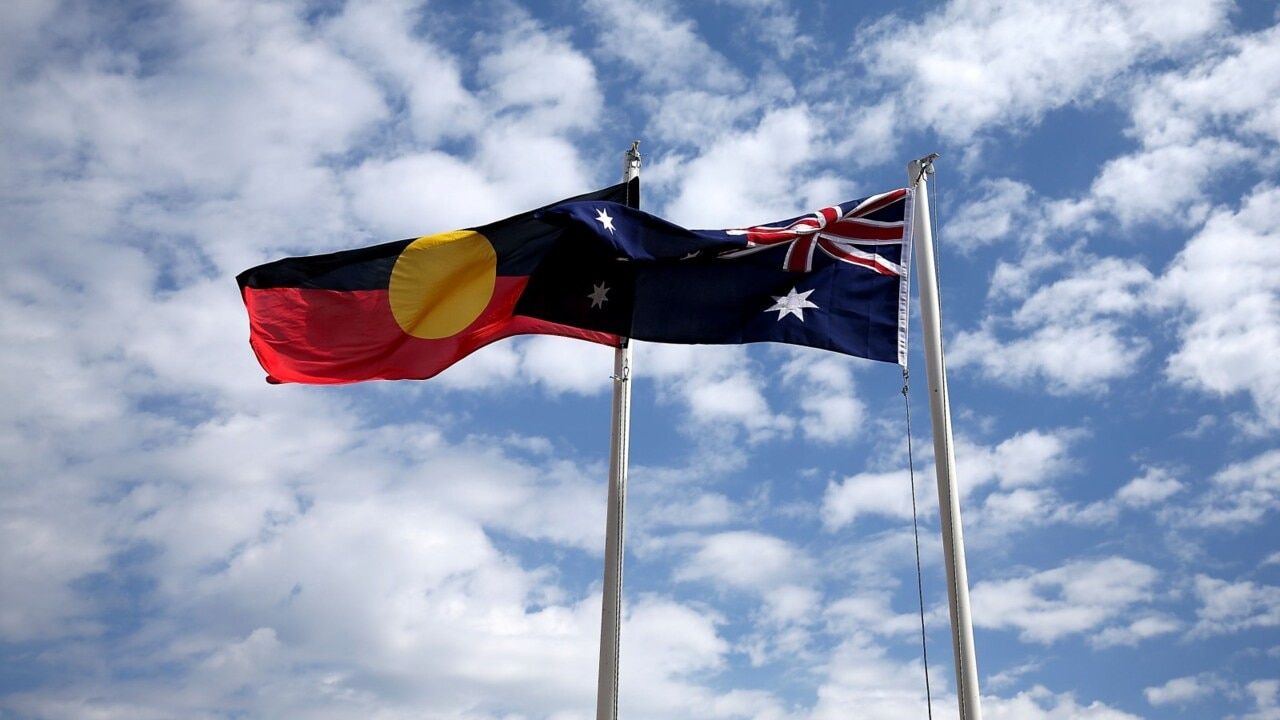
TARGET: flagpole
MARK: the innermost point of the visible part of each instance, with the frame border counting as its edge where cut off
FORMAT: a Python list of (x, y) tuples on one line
[(619, 447), (966, 663)]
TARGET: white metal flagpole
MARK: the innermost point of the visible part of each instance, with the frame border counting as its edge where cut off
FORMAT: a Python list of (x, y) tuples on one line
[(619, 447), (943, 451)]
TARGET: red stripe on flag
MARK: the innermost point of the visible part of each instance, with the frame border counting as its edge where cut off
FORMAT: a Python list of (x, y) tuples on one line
[(856, 230), (335, 337)]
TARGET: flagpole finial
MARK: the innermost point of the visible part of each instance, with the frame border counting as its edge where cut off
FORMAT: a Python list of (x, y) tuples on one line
[(633, 158), (919, 168), (631, 171)]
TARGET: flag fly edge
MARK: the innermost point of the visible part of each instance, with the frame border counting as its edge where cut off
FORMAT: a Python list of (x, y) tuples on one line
[(904, 289)]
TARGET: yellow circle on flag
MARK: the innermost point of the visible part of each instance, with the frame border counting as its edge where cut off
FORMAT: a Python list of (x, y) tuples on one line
[(441, 283)]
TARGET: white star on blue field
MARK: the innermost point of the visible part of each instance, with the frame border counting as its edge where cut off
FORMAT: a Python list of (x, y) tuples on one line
[(606, 222), (180, 539), (793, 303)]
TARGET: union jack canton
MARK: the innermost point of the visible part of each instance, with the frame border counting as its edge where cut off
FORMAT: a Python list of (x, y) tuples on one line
[(844, 232)]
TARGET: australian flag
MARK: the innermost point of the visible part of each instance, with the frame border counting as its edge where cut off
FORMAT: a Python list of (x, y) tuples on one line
[(836, 279)]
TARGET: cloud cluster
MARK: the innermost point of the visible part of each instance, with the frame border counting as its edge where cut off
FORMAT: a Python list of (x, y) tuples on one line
[(178, 539)]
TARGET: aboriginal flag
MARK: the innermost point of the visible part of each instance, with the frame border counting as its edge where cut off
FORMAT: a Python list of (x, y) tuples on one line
[(406, 309)]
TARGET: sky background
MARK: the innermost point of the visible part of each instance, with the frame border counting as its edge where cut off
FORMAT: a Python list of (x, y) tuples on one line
[(179, 539)]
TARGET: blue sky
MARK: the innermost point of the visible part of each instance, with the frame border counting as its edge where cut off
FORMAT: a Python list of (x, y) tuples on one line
[(179, 539)]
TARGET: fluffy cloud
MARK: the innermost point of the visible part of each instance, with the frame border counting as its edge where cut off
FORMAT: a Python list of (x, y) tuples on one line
[(870, 494), (1183, 690), (1041, 704), (756, 167), (722, 395), (180, 540), (1165, 184), (1026, 460), (781, 576), (413, 69), (1242, 494), (1072, 360), (1155, 486), (1079, 597), (1228, 607), (673, 53), (990, 64), (1226, 281), (1069, 333), (1229, 92), (1001, 211), (825, 385)]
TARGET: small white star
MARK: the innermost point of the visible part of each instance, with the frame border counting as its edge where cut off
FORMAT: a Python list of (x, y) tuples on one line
[(602, 217), (599, 295), (793, 303)]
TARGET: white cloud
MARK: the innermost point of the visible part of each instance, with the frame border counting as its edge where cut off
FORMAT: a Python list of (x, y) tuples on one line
[(260, 594), (763, 565), (1146, 492), (1227, 281), (1266, 698), (1227, 607), (1153, 487), (1194, 125), (717, 385), (886, 493), (218, 544), (1166, 184), (567, 365), (1003, 211), (989, 65), (1231, 92), (825, 385), (665, 645), (685, 114), (225, 143), (755, 169), (1079, 597), (1011, 676), (859, 675), (428, 192), (1240, 495), (1109, 287), (774, 23), (25, 21), (1041, 704), (1137, 632), (701, 510), (251, 92), (1182, 691), (871, 611), (673, 54), (1068, 334), (377, 34), (46, 544), (871, 133), (735, 398), (745, 560), (1027, 459), (540, 79)]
